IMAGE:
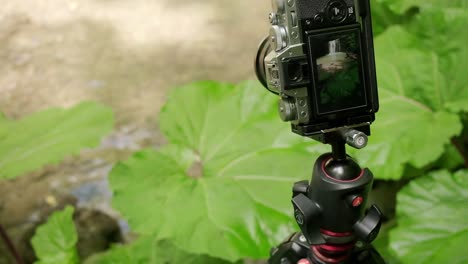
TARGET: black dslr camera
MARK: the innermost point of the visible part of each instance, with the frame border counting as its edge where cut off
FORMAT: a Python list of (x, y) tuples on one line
[(319, 58)]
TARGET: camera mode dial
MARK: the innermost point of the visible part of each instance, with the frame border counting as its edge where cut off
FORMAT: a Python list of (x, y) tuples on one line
[(279, 37), (337, 11)]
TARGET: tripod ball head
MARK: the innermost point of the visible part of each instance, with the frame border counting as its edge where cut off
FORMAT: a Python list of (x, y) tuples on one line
[(332, 209)]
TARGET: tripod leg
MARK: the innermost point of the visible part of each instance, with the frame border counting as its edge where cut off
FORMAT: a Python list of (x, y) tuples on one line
[(290, 251)]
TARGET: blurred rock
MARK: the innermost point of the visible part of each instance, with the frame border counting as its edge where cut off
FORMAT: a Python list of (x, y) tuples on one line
[(96, 232)]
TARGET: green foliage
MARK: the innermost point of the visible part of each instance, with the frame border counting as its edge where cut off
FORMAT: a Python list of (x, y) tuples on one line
[(207, 189), (384, 17), (54, 242), (148, 250), (422, 88), (452, 159), (401, 6), (221, 187), (432, 214), (422, 63), (46, 137)]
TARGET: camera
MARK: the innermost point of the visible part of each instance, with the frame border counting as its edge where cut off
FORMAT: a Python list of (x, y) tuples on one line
[(319, 59)]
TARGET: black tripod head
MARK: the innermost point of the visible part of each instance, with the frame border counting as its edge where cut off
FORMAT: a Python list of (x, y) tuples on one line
[(331, 207)]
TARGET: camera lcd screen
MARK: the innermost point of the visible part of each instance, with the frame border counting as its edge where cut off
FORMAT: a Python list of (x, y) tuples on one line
[(337, 65)]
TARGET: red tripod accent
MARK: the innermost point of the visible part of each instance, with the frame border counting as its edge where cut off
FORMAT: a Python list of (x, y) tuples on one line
[(331, 253)]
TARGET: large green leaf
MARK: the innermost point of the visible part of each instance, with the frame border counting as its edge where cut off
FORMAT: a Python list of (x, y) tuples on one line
[(138, 252), (422, 88), (48, 136), (384, 17), (54, 242), (451, 159), (441, 33), (402, 6), (432, 218), (225, 188), (148, 250)]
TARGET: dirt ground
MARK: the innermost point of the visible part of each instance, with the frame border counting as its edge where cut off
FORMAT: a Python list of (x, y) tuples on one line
[(125, 54)]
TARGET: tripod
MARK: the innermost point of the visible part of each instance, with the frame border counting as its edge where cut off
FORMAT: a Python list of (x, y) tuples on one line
[(330, 210)]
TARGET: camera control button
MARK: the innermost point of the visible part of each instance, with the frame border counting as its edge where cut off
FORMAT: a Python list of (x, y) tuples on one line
[(318, 18), (287, 110), (273, 19), (337, 11), (279, 37), (293, 19)]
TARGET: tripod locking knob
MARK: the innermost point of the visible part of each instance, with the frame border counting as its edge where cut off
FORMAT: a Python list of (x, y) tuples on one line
[(355, 139), (368, 227), (307, 217)]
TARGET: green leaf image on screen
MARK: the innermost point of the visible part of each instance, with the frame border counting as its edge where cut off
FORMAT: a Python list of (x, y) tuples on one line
[(337, 59), (432, 220), (54, 242), (48, 136), (343, 85), (222, 186)]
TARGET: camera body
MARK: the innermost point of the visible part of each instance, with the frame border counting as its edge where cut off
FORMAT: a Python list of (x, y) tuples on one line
[(319, 58)]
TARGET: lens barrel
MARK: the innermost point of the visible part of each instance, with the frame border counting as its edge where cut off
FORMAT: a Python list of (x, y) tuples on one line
[(259, 64)]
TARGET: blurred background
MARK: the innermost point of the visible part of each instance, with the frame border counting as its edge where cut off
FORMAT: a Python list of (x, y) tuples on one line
[(124, 54)]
